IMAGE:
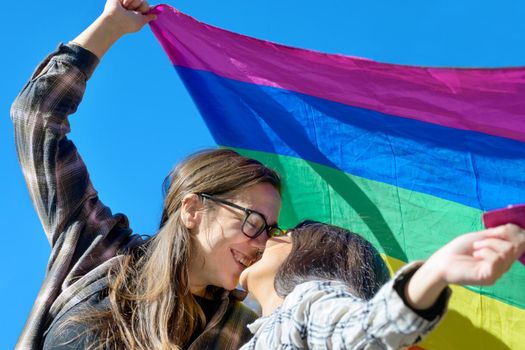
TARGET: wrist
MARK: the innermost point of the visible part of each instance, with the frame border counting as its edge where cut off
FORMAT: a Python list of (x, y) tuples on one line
[(424, 288)]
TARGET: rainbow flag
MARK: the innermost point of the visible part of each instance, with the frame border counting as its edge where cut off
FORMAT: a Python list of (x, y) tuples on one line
[(409, 157)]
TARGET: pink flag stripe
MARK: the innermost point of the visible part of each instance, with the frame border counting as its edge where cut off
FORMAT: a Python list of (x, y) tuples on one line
[(490, 101)]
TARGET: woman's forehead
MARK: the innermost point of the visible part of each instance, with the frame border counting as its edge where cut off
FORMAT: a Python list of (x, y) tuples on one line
[(263, 198)]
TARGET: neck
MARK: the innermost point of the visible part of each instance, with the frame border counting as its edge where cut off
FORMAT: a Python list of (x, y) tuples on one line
[(198, 290), (197, 285), (267, 297)]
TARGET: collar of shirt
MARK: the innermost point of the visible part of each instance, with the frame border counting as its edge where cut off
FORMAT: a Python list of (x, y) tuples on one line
[(298, 294)]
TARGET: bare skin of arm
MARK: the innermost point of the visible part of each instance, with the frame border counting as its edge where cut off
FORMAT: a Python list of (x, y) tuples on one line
[(119, 17)]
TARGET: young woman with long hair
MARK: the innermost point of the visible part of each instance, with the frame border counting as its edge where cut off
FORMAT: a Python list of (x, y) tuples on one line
[(323, 287), (105, 287)]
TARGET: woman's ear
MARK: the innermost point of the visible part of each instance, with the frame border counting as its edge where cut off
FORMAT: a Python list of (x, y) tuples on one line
[(191, 211)]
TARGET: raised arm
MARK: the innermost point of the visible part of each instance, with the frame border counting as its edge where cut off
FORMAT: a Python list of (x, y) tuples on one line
[(57, 179), (339, 320), (119, 18), (414, 301)]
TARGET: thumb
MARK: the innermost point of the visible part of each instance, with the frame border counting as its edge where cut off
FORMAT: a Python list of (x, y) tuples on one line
[(149, 17)]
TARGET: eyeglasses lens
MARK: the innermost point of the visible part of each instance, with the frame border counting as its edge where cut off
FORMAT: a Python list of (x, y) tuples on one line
[(253, 224)]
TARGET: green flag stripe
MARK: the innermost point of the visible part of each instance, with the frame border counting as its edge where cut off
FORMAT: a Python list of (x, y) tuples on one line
[(402, 224)]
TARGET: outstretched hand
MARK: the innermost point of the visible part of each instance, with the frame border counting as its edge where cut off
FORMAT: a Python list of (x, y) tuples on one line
[(129, 15), (478, 258), (119, 17)]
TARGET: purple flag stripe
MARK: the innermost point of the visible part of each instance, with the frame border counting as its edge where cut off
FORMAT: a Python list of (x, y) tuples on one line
[(491, 101)]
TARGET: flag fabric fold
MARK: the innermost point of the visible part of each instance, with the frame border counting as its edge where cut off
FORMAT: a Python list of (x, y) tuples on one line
[(408, 157)]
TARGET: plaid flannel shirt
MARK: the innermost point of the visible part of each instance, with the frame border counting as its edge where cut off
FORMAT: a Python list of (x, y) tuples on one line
[(86, 238), (325, 315)]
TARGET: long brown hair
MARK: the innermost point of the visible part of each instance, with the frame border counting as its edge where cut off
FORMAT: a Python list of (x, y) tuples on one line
[(151, 306), (326, 252)]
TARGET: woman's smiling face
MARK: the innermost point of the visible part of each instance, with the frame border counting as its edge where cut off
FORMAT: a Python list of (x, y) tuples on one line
[(224, 251)]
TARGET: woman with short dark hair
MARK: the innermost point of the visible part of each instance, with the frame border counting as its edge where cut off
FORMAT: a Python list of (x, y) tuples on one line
[(323, 287), (327, 252)]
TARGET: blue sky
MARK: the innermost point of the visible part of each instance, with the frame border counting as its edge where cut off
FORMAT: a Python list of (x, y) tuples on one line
[(137, 121)]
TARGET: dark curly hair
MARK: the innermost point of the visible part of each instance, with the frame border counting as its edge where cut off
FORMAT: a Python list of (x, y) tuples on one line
[(326, 252)]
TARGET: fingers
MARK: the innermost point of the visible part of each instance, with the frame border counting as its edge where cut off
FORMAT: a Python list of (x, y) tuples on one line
[(149, 17), (143, 8), (491, 266), (510, 233), (479, 258), (507, 231), (140, 6), (130, 4), (496, 257), (499, 246)]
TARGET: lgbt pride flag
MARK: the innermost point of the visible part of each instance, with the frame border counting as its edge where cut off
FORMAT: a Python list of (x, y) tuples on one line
[(409, 157)]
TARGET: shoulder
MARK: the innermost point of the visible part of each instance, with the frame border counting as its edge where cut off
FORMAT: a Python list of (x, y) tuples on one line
[(232, 330), (69, 331), (312, 292), (237, 304), (69, 337), (289, 324)]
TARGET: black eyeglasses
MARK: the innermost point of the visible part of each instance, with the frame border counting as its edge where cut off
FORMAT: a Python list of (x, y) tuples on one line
[(254, 222)]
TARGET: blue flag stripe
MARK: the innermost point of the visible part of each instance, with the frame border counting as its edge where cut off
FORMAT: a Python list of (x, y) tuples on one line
[(471, 168)]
